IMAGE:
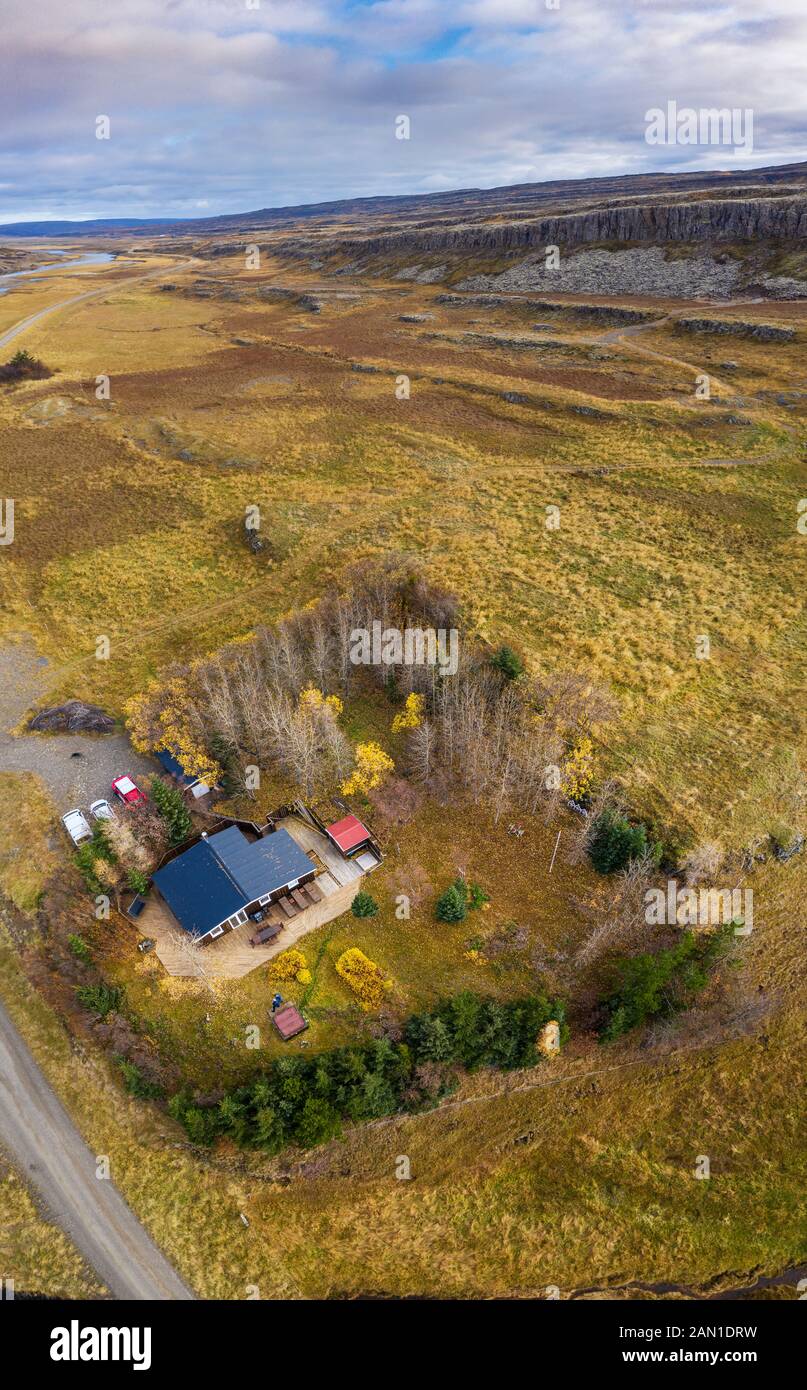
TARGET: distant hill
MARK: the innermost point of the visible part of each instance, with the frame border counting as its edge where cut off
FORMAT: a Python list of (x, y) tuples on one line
[(557, 195), (96, 227)]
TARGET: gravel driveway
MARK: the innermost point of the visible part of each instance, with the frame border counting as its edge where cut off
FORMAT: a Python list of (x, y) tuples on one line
[(71, 780)]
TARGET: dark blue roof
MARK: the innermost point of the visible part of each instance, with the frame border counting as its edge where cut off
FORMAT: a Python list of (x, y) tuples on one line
[(174, 766), (263, 866), (225, 872), (198, 889)]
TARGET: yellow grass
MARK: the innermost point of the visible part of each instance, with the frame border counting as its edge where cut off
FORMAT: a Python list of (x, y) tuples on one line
[(125, 538), (27, 854), (34, 1254)]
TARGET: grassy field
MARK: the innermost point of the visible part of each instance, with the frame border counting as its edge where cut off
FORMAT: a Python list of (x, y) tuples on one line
[(677, 519), (27, 854), (218, 405)]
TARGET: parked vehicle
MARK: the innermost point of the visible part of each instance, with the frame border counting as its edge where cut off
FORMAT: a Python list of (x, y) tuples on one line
[(101, 810), (77, 826), (126, 790)]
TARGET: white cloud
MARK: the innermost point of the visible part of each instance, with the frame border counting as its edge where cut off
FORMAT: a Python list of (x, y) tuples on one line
[(296, 101)]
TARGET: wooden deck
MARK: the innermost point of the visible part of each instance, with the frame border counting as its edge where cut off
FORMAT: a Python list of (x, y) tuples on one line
[(231, 956)]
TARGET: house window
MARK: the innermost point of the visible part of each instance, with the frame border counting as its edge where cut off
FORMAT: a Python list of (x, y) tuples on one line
[(217, 931), (293, 883), (237, 919), (265, 899)]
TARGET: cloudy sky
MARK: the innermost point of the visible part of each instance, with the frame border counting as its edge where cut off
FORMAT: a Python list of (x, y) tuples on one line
[(228, 105)]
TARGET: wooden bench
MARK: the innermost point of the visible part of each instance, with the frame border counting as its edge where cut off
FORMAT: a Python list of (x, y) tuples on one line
[(298, 898), (286, 905), (313, 892)]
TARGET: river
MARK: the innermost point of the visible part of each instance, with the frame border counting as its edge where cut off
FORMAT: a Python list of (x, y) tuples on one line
[(89, 258)]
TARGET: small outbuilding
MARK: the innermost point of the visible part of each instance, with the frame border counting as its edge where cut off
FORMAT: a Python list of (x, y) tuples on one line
[(354, 841), (289, 1021), (349, 835), (170, 763)]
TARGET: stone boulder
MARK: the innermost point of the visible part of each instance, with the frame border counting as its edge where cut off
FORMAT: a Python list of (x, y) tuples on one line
[(73, 717)]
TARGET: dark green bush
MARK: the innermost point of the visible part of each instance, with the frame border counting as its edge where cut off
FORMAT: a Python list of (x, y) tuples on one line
[(508, 662), (452, 906), (616, 842), (364, 905), (136, 1083), (80, 948), (171, 805), (658, 986), (100, 999), (96, 848)]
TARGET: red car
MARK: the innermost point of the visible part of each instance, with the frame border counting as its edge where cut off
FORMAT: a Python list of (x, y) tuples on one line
[(125, 789)]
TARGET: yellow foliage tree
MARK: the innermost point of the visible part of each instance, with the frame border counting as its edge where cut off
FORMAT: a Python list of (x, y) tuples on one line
[(160, 717), (578, 770), (373, 765), (313, 699), (411, 716), (365, 978)]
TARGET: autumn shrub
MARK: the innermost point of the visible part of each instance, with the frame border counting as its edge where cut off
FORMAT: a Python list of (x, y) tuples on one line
[(365, 978), (578, 771), (289, 965), (411, 716), (373, 766)]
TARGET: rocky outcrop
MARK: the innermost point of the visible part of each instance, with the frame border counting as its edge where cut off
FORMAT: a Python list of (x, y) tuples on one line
[(710, 220), (763, 332), (73, 717), (599, 313)]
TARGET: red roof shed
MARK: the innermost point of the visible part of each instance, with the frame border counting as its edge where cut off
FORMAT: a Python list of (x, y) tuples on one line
[(348, 834)]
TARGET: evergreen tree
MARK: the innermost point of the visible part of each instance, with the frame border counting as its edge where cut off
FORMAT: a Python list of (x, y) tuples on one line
[(171, 805), (364, 905), (452, 906)]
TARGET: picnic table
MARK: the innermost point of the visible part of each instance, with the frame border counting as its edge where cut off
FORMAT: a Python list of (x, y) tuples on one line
[(267, 933)]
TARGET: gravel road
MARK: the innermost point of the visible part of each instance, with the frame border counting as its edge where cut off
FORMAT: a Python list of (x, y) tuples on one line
[(40, 1136)]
